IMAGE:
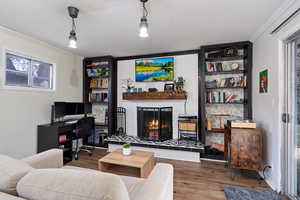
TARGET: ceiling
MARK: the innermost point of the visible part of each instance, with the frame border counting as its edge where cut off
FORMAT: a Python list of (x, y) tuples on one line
[(110, 27)]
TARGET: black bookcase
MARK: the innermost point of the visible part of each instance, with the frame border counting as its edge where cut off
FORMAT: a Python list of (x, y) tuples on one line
[(212, 55), (109, 88)]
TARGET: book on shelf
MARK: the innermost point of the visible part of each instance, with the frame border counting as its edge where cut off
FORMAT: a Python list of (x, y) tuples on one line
[(231, 82), (241, 123), (101, 97), (99, 83), (187, 126), (219, 97)]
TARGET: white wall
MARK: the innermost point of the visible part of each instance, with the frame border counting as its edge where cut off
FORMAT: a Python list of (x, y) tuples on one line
[(186, 66), (267, 108), (21, 111)]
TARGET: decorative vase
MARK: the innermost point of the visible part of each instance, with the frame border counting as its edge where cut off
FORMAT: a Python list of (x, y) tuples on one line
[(126, 151)]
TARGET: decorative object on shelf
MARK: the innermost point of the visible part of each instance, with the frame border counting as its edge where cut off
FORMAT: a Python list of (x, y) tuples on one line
[(73, 13), (101, 73), (154, 95), (154, 69), (144, 24), (140, 89), (169, 87), (179, 84), (128, 84), (231, 51), (234, 66), (127, 149), (263, 81)]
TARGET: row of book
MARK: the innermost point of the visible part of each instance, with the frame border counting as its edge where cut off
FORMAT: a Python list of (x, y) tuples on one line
[(215, 97), (240, 81), (99, 83), (187, 126), (221, 66), (101, 97)]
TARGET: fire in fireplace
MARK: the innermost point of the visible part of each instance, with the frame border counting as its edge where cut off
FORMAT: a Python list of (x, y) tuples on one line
[(155, 123)]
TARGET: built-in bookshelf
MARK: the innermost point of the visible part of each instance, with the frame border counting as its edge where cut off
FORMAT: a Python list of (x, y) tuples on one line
[(100, 90), (224, 88)]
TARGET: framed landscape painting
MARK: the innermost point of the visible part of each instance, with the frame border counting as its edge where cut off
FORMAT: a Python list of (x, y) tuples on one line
[(156, 69)]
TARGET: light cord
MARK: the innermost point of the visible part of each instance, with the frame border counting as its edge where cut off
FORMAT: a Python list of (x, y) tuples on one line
[(145, 11)]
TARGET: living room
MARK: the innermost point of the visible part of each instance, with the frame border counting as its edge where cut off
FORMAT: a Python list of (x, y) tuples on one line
[(149, 99)]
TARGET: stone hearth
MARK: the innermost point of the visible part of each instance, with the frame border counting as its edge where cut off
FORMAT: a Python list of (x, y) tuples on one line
[(174, 144)]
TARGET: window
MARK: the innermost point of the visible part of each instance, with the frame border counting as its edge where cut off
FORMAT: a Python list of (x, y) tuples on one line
[(26, 72)]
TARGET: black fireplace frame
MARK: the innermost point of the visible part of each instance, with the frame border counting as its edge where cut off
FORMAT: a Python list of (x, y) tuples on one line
[(140, 118)]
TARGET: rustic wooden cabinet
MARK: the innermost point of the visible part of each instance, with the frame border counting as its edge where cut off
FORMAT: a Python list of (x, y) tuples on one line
[(243, 148)]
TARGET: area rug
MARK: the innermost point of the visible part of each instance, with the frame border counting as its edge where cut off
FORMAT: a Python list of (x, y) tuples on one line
[(243, 193)]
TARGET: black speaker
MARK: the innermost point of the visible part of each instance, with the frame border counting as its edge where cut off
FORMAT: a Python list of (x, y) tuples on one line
[(152, 89), (52, 114)]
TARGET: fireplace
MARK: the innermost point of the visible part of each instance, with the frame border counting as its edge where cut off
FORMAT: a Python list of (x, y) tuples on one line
[(155, 123)]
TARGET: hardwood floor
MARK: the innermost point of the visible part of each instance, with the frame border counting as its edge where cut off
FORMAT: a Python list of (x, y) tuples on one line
[(192, 181)]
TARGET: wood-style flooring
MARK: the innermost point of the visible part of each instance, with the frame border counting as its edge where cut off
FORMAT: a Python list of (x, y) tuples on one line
[(192, 181)]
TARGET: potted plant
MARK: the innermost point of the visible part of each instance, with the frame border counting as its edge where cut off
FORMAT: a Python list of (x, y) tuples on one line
[(126, 149), (128, 84), (179, 84)]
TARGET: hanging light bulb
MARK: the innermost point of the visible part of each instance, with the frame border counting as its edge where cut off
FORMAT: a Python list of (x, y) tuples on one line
[(144, 28), (144, 23), (73, 12), (73, 40)]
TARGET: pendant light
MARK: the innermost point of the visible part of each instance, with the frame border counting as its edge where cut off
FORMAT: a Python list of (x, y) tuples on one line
[(144, 24), (73, 13)]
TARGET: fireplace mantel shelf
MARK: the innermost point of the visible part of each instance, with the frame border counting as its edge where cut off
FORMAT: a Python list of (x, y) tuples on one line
[(154, 95)]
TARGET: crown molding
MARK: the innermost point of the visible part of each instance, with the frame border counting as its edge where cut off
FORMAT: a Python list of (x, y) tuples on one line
[(286, 9)]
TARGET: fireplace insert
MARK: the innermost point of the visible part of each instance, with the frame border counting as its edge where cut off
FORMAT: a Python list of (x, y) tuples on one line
[(155, 123)]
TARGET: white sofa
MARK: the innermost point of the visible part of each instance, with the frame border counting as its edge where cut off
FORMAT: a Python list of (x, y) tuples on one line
[(43, 177)]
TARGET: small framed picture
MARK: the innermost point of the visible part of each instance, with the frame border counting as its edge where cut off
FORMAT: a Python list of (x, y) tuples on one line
[(264, 81), (169, 87)]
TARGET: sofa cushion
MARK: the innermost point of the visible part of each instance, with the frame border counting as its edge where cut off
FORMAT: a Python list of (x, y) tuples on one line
[(132, 184), (11, 171), (49, 184)]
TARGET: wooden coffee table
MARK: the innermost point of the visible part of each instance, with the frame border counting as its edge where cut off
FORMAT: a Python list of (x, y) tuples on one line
[(138, 164)]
